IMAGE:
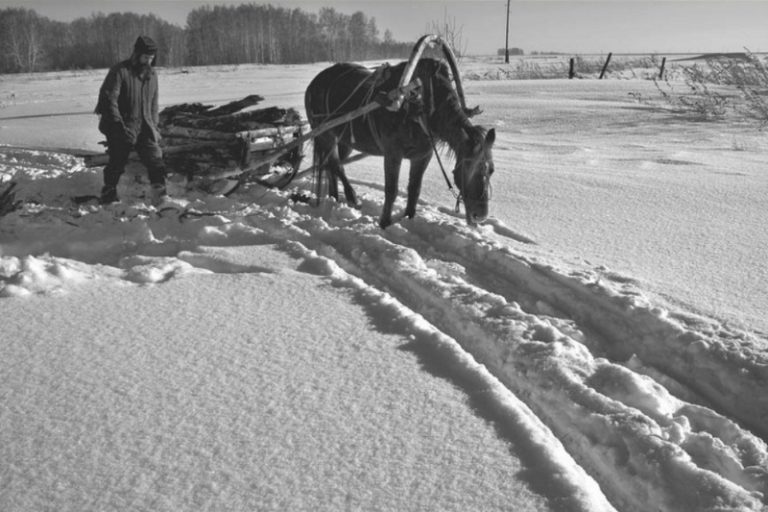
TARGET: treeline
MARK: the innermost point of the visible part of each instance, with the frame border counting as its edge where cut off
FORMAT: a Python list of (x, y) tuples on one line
[(248, 33)]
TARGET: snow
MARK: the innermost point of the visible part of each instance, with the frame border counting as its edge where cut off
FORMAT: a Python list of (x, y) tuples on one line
[(599, 344)]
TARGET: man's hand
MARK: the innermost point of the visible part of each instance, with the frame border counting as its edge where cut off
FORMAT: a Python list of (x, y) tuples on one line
[(128, 136)]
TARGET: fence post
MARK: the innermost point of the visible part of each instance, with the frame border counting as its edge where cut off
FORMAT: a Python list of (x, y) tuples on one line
[(605, 66), (663, 63), (506, 45), (571, 69)]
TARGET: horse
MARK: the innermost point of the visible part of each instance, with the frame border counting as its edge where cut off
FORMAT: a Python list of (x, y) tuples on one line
[(433, 116)]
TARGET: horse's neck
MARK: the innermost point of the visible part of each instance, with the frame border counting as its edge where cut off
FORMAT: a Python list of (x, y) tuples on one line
[(453, 129)]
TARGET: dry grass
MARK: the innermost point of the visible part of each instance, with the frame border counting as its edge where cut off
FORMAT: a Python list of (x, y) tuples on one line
[(717, 88)]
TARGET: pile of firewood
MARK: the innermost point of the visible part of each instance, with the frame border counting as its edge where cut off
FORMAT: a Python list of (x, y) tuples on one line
[(203, 141)]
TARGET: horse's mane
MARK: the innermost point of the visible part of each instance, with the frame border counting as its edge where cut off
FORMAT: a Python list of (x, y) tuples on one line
[(447, 117), (442, 101)]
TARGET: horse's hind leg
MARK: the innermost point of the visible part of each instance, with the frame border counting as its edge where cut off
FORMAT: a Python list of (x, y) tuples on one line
[(328, 157), (326, 161), (343, 152)]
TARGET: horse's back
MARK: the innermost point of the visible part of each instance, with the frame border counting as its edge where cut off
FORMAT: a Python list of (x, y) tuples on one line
[(332, 91), (342, 87)]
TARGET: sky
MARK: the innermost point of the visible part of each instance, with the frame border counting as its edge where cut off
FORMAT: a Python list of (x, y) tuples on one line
[(619, 26)]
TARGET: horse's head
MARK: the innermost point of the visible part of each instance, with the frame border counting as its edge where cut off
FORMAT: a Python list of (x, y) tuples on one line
[(472, 175)]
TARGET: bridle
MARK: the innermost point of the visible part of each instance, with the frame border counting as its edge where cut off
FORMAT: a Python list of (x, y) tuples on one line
[(460, 195), (486, 174)]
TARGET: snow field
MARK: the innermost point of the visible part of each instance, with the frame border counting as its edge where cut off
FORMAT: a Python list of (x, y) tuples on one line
[(180, 396), (640, 443), (629, 389)]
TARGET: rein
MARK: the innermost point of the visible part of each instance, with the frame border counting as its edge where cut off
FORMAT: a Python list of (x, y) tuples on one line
[(427, 131), (422, 120)]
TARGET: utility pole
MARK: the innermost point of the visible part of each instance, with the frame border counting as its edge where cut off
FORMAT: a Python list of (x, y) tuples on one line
[(506, 44)]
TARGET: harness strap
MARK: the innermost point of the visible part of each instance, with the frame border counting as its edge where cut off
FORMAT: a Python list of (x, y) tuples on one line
[(327, 99), (369, 97)]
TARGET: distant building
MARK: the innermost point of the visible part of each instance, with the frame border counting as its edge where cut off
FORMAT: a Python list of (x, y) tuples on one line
[(512, 51)]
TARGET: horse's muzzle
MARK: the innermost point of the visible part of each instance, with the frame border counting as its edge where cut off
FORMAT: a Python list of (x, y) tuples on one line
[(476, 211)]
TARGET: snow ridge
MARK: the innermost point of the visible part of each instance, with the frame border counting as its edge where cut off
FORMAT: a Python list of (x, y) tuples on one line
[(647, 401), (644, 446)]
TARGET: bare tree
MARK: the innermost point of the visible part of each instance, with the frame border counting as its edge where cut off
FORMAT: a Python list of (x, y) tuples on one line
[(248, 33), (358, 40), (333, 27), (450, 32), (22, 39)]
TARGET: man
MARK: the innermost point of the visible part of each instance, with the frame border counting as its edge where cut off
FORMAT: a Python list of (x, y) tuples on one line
[(128, 110)]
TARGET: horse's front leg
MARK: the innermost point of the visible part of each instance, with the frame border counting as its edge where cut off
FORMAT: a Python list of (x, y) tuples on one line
[(391, 175), (418, 166)]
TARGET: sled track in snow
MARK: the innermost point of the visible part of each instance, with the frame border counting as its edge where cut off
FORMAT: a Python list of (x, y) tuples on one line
[(579, 354), (662, 409)]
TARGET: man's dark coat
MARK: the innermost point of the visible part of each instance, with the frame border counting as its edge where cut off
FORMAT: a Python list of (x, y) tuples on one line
[(126, 100)]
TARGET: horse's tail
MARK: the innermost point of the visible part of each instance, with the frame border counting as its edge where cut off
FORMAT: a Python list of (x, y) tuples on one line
[(318, 155)]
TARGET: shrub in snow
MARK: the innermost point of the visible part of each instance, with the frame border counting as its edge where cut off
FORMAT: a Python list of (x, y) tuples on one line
[(734, 83)]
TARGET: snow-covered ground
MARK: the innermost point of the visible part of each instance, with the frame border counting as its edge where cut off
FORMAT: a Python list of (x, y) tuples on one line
[(598, 344)]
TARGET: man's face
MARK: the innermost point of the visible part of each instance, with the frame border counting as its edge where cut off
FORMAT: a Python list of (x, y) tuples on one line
[(146, 59)]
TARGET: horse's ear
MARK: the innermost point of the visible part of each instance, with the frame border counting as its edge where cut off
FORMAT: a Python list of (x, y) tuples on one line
[(490, 137), (472, 112)]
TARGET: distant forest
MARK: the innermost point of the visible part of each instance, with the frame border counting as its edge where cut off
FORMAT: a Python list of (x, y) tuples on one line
[(248, 33)]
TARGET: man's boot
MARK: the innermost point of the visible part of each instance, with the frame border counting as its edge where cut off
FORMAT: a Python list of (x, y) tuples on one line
[(108, 195), (158, 194)]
